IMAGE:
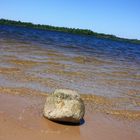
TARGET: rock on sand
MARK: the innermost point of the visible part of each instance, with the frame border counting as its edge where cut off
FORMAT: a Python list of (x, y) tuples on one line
[(65, 106)]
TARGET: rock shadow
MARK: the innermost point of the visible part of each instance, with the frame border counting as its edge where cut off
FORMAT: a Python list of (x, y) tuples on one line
[(82, 121)]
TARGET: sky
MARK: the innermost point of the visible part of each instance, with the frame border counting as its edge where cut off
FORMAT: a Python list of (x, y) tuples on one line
[(117, 17)]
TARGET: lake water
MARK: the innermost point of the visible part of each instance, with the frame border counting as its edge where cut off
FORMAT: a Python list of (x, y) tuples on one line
[(45, 60)]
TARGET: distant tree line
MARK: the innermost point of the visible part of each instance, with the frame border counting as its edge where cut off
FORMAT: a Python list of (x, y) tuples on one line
[(65, 29)]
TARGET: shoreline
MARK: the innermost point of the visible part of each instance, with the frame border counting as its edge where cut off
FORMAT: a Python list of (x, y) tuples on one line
[(29, 71), (94, 103), (21, 118)]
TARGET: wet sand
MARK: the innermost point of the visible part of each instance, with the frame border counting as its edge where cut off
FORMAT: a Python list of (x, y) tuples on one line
[(21, 118)]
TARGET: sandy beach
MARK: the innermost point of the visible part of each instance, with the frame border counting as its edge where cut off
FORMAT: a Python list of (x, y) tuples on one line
[(21, 118)]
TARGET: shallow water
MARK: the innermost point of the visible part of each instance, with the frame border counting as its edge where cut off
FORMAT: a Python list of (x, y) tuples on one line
[(107, 72)]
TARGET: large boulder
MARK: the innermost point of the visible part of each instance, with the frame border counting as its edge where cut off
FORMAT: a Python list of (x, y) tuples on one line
[(65, 106)]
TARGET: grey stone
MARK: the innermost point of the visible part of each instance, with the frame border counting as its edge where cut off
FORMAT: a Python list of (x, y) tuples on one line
[(65, 106)]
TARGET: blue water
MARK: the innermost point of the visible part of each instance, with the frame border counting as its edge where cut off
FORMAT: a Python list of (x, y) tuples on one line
[(87, 45)]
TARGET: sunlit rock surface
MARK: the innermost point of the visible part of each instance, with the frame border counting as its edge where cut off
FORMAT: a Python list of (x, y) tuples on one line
[(65, 106)]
